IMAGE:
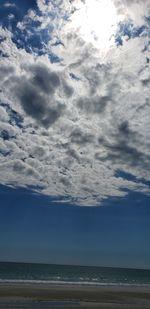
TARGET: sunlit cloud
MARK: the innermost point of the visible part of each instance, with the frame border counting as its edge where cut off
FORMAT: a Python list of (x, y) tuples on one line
[(96, 22)]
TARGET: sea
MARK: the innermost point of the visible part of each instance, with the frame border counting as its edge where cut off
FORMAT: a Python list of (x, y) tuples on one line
[(72, 275)]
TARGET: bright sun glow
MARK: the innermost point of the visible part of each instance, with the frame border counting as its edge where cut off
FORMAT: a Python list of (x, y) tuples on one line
[(96, 21)]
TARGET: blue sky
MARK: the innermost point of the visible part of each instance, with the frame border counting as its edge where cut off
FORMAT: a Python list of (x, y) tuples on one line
[(36, 230), (74, 132)]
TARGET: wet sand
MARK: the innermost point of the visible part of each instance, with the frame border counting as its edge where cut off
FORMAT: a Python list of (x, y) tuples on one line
[(44, 296)]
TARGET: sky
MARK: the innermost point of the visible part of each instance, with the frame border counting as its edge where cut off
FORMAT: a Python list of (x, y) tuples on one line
[(74, 132)]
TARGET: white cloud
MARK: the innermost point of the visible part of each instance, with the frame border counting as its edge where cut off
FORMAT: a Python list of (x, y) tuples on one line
[(3, 115), (77, 132), (136, 10), (9, 4)]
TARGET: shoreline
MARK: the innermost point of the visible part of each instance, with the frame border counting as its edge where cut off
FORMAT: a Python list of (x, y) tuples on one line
[(63, 296)]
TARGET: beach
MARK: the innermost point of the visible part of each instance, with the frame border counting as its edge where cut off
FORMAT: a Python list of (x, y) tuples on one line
[(30, 296)]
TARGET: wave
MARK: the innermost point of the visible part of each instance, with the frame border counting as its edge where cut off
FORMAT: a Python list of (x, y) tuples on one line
[(73, 283)]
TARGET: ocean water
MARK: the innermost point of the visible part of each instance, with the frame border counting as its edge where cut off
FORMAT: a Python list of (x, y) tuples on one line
[(78, 275)]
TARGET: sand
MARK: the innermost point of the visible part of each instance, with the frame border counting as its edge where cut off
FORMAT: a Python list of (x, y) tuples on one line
[(44, 296)]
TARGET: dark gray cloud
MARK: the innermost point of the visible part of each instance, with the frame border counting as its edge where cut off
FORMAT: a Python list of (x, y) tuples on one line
[(96, 104), (146, 81), (71, 152), (21, 168), (124, 148), (68, 90), (5, 71), (36, 95), (65, 181), (80, 137), (37, 106), (44, 79)]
